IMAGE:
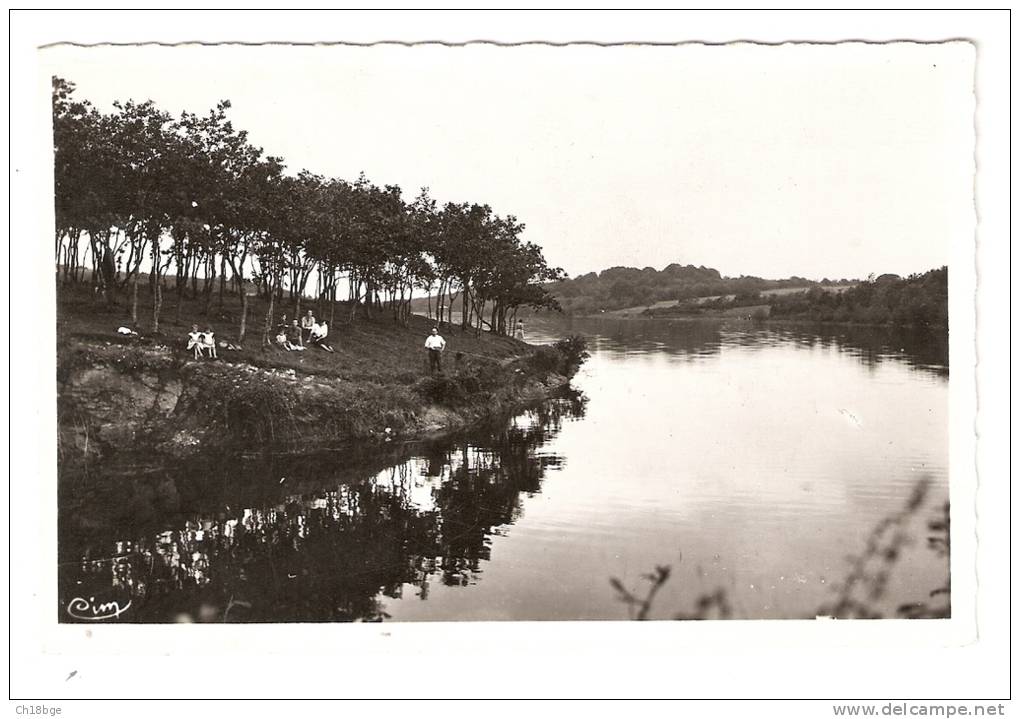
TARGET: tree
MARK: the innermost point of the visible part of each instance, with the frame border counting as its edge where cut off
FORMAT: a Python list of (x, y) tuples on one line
[(194, 196)]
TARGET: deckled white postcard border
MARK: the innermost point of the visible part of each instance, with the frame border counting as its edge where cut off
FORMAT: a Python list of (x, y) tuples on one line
[(749, 658)]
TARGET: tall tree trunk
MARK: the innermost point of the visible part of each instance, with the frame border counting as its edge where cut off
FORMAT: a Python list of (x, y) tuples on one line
[(66, 252), (79, 264), (244, 316), (72, 256), (223, 278), (109, 271), (319, 293), (355, 294), (134, 300), (269, 317), (66, 256), (157, 292), (210, 282), (102, 263), (194, 278), (182, 281)]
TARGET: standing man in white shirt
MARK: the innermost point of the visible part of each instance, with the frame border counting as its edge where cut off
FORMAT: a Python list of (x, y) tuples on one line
[(435, 345)]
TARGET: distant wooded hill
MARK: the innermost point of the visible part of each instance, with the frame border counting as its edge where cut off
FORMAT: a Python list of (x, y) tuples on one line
[(624, 287), (920, 300)]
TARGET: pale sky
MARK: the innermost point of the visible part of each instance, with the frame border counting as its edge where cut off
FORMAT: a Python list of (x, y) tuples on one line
[(812, 160)]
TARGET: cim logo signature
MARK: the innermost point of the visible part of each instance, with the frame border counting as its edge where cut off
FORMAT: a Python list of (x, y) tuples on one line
[(89, 610)]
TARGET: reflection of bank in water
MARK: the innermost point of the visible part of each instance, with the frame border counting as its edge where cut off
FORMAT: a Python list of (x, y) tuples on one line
[(692, 339), (327, 552)]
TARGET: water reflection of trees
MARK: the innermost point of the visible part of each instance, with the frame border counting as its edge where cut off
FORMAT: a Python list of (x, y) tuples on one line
[(927, 350), (329, 551), (922, 349)]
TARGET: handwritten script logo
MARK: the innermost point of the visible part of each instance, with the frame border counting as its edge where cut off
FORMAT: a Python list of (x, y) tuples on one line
[(87, 609)]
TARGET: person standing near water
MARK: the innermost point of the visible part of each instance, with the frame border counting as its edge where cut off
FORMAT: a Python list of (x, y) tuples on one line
[(435, 345), (519, 331)]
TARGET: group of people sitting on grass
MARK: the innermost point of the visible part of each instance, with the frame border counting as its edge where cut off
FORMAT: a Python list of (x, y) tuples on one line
[(202, 342), (295, 337), (298, 336)]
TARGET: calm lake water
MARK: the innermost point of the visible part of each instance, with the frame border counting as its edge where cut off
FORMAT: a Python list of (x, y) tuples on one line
[(753, 460)]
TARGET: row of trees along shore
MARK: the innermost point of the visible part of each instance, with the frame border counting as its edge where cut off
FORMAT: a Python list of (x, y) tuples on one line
[(191, 197), (919, 300)]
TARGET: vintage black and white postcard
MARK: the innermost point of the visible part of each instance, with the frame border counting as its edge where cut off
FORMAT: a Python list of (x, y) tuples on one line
[(469, 332)]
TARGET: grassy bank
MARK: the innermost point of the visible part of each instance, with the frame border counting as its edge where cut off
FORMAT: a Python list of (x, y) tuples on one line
[(368, 348), (117, 391)]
